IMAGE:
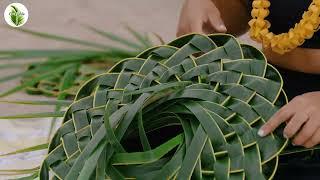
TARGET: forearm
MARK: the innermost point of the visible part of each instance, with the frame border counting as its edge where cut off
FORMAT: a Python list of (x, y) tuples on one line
[(234, 14)]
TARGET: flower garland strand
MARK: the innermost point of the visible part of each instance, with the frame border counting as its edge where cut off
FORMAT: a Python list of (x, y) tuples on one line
[(284, 42)]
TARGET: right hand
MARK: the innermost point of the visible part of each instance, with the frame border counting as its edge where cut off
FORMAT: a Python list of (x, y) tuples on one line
[(200, 16)]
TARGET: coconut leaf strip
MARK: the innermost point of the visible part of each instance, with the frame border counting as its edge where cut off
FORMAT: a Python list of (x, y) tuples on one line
[(28, 149)]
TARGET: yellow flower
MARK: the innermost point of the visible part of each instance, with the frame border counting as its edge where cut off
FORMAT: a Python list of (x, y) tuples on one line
[(284, 42)]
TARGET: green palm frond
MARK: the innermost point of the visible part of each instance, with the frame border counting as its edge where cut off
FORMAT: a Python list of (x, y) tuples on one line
[(16, 16), (85, 63), (189, 109)]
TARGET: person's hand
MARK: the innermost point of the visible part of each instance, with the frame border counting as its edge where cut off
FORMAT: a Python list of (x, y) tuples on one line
[(302, 115), (201, 16)]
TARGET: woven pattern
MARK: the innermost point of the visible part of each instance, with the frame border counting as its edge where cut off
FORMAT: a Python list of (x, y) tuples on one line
[(189, 109), (75, 75)]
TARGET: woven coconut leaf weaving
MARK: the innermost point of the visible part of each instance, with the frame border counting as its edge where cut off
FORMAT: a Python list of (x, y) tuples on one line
[(75, 76), (189, 109)]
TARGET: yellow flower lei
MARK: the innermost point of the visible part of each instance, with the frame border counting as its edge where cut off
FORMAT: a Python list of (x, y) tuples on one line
[(284, 42)]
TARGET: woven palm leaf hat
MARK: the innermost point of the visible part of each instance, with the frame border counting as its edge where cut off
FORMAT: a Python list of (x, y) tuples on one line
[(188, 109)]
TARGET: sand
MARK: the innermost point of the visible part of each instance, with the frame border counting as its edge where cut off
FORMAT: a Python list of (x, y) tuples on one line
[(65, 18)]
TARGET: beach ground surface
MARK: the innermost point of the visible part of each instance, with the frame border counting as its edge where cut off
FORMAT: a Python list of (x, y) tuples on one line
[(66, 18)]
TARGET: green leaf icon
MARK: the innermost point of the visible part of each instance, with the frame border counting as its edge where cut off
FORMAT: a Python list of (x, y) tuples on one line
[(16, 16)]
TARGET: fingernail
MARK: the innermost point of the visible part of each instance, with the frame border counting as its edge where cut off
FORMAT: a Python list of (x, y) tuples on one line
[(285, 136), (293, 144), (261, 133), (223, 28)]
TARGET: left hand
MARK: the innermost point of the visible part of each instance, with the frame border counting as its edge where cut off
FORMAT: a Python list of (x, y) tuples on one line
[(302, 115)]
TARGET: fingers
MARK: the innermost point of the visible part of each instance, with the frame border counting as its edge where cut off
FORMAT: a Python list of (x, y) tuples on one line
[(216, 22), (196, 27), (314, 140), (294, 124), (284, 114), (302, 115), (182, 29), (200, 17), (193, 27), (306, 132)]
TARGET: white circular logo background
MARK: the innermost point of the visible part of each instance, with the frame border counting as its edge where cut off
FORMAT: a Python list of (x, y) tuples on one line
[(16, 14)]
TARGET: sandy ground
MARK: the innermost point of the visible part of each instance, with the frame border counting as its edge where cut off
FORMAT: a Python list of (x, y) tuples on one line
[(64, 18)]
